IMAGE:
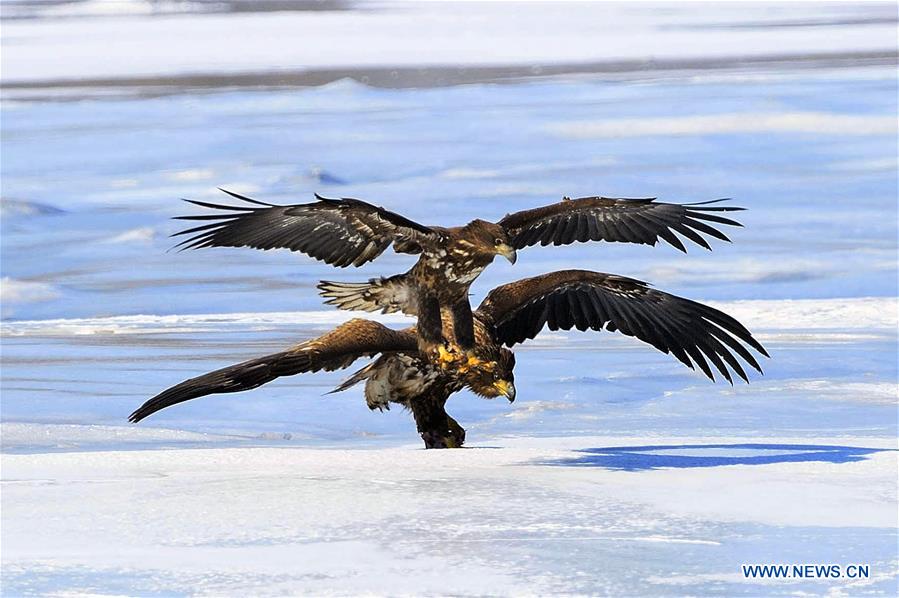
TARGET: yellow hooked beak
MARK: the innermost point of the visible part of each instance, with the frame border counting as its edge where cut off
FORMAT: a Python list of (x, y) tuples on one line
[(505, 388), (507, 251)]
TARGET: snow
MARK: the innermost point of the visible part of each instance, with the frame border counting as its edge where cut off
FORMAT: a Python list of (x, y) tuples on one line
[(425, 34), (408, 521), (843, 314), (181, 323), (804, 314), (249, 507), (41, 437), (25, 291), (143, 234)]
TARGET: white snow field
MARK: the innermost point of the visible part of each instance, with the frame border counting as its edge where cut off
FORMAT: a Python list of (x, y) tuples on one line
[(617, 471), (501, 518), (167, 38)]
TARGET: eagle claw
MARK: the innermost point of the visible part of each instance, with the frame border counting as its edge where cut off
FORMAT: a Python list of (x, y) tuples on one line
[(469, 361), (446, 355), (452, 436), (449, 356)]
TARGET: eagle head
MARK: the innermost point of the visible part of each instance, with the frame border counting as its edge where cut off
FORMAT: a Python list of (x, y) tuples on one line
[(491, 238), (494, 378)]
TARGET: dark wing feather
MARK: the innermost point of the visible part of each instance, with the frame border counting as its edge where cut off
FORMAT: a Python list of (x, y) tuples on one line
[(694, 333), (334, 350), (340, 232), (641, 221)]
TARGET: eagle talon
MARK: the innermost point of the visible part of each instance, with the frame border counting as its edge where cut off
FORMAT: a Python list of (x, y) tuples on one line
[(468, 361), (447, 355), (443, 440)]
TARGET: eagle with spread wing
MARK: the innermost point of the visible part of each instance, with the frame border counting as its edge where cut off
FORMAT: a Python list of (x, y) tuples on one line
[(695, 334), (344, 232)]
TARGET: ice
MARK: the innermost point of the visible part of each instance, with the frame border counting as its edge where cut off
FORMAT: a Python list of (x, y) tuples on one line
[(724, 124)]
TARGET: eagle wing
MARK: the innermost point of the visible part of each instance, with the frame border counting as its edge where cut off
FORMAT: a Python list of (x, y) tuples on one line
[(690, 331), (622, 220), (340, 232), (334, 350)]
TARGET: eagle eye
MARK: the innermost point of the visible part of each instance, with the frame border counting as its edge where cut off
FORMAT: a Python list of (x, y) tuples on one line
[(498, 241)]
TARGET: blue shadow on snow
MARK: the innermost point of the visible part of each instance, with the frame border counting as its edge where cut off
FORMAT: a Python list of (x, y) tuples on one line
[(641, 458)]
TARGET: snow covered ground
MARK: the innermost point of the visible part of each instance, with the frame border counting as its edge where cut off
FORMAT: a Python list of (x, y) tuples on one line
[(508, 517), (130, 40), (617, 471)]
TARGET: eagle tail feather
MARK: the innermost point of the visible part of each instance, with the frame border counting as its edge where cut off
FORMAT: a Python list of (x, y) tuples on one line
[(387, 295), (355, 378)]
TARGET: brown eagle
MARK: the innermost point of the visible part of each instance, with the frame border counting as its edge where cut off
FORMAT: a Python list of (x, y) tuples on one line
[(695, 334), (344, 232)]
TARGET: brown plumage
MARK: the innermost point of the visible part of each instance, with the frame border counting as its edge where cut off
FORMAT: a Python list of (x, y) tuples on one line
[(695, 334), (331, 351), (344, 232)]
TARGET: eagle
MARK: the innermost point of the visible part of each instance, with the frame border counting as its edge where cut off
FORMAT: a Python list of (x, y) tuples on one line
[(695, 334), (345, 232)]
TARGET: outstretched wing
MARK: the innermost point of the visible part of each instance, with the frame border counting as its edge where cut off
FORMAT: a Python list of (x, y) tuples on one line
[(340, 232), (331, 351), (623, 220), (691, 331)]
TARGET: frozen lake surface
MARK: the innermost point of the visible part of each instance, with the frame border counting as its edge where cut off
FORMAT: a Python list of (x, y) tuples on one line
[(512, 517), (616, 471)]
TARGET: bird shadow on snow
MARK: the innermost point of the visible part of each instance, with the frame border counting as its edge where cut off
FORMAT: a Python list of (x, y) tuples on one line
[(642, 458)]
